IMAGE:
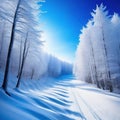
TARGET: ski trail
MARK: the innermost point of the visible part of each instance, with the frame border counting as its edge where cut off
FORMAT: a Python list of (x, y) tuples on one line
[(87, 112), (93, 103), (66, 99), (74, 100), (77, 105), (90, 109)]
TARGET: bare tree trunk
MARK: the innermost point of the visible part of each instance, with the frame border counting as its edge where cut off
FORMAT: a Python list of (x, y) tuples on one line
[(20, 58), (32, 74), (2, 40), (90, 63), (5, 80), (108, 73), (94, 65), (24, 55)]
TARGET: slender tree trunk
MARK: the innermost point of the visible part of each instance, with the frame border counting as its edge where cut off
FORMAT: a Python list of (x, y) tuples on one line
[(32, 74), (2, 40), (90, 63), (108, 73), (20, 58), (25, 52), (94, 65), (5, 80)]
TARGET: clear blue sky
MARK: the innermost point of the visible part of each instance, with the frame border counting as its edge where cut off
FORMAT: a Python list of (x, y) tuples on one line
[(63, 21)]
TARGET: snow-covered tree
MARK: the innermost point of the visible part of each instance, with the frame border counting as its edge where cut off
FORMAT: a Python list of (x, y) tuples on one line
[(19, 23), (97, 55), (21, 17)]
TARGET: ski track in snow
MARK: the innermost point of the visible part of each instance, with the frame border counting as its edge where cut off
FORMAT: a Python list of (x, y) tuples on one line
[(60, 99), (80, 101)]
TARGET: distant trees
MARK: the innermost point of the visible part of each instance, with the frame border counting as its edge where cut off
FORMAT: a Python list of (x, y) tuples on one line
[(58, 67), (97, 56)]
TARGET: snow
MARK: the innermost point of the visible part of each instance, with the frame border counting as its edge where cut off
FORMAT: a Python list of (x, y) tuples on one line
[(97, 104), (62, 98)]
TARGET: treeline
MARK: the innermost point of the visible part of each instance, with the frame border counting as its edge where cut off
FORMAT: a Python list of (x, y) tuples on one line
[(98, 52), (21, 51)]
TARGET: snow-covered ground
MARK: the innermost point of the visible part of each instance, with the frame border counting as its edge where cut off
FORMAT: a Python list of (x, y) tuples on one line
[(63, 98)]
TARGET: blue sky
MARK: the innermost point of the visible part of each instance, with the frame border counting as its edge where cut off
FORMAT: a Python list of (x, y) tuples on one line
[(63, 21)]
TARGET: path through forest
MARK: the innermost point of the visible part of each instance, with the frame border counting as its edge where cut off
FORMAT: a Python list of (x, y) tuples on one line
[(60, 99)]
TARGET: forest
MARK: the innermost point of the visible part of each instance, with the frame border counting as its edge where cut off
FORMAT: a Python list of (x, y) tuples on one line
[(21, 46), (98, 53)]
